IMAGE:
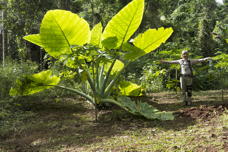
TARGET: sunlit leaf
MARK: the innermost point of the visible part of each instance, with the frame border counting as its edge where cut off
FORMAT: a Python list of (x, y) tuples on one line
[(110, 42), (125, 22), (34, 38), (150, 112), (35, 83), (59, 31), (130, 89), (222, 60), (132, 52), (152, 39), (118, 66), (96, 34)]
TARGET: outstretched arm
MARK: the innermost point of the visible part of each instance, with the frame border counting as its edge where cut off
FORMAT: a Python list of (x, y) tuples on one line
[(200, 60), (170, 62)]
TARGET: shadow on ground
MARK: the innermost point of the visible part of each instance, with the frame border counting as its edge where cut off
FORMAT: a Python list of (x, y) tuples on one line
[(68, 122)]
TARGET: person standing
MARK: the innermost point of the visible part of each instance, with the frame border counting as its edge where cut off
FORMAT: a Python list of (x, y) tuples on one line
[(186, 74)]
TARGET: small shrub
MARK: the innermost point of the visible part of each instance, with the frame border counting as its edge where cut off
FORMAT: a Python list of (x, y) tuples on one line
[(11, 71), (152, 78)]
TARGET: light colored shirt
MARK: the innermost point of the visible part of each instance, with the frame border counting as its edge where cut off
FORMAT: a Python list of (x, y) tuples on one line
[(186, 64)]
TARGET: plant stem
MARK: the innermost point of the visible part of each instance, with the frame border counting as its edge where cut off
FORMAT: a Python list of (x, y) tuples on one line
[(101, 77), (111, 84), (91, 83), (89, 98), (107, 77), (116, 103)]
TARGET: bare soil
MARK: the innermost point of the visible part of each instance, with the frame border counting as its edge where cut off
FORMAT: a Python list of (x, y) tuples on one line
[(70, 125), (203, 112)]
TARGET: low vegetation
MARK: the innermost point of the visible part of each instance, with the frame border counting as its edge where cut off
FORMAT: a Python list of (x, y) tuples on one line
[(95, 58), (60, 124), (91, 81)]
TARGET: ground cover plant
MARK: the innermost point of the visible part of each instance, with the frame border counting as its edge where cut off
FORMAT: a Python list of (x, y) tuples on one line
[(47, 121), (10, 72), (48, 118), (96, 58), (36, 123)]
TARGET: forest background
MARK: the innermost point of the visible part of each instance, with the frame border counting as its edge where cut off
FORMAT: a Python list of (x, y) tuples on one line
[(199, 26)]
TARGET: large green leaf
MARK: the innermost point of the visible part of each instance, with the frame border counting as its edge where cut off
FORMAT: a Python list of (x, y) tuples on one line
[(117, 67), (132, 52), (152, 38), (31, 84), (152, 113), (130, 89), (125, 22), (59, 31), (96, 35), (110, 42), (146, 42), (34, 38), (141, 108)]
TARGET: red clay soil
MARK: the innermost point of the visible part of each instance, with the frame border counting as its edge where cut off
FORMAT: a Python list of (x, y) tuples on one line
[(203, 112)]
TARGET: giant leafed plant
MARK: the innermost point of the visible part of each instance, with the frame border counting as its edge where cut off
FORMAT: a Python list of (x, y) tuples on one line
[(96, 56)]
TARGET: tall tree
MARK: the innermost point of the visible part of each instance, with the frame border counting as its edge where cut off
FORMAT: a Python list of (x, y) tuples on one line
[(23, 17), (205, 27)]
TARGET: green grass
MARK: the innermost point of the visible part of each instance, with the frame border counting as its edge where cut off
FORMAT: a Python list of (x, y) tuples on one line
[(191, 138), (48, 124)]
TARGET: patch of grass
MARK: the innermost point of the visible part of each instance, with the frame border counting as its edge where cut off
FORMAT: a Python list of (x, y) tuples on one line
[(37, 123), (199, 136)]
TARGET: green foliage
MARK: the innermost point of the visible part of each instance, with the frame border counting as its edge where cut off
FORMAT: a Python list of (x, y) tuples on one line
[(129, 89), (172, 84), (147, 41), (96, 34), (213, 75), (10, 72), (54, 25), (152, 78), (152, 38), (23, 17), (222, 60), (31, 84), (220, 70), (141, 109), (98, 64), (131, 17)]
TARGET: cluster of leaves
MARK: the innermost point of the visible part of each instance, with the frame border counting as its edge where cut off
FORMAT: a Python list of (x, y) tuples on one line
[(30, 84), (98, 56), (22, 17), (222, 61), (152, 77), (10, 72), (193, 22), (141, 109)]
